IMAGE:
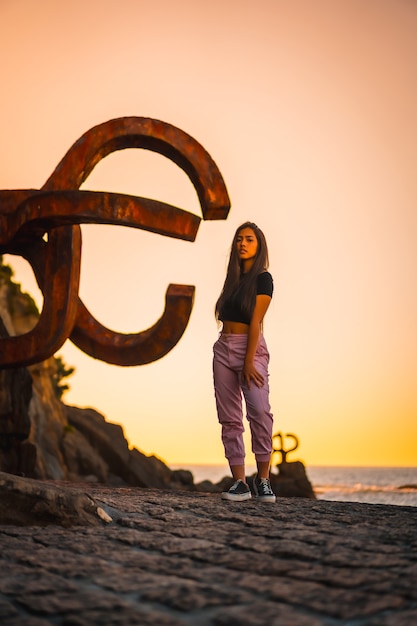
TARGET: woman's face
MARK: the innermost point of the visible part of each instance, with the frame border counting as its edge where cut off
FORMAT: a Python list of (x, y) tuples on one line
[(247, 245)]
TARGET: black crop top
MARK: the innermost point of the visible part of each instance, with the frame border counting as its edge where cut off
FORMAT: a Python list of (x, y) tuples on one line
[(231, 311)]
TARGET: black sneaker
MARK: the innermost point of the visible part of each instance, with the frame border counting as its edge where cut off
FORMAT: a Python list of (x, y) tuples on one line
[(238, 492), (263, 490)]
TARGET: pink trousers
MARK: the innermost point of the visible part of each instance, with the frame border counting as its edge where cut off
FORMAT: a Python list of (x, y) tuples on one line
[(229, 355)]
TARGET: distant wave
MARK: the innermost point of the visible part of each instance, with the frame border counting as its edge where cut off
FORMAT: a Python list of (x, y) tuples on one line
[(366, 488)]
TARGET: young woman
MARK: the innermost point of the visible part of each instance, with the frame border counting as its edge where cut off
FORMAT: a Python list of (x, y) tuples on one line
[(240, 363)]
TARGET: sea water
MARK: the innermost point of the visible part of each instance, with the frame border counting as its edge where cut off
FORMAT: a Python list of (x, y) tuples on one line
[(374, 485)]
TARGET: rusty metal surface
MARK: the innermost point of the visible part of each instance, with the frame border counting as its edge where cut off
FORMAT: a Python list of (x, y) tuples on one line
[(57, 210), (58, 260)]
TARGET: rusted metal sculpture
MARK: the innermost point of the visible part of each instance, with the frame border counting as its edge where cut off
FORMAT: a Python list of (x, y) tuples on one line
[(43, 227), (291, 479), (281, 449)]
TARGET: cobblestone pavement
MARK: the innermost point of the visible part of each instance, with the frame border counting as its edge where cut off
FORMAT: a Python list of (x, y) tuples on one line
[(175, 559)]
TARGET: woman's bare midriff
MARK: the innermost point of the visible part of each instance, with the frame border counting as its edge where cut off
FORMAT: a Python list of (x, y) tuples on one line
[(235, 328)]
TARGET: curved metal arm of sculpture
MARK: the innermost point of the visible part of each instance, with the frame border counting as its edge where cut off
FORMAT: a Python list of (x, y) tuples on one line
[(61, 261), (134, 132), (281, 449), (38, 212), (28, 214), (143, 132), (137, 132), (92, 207), (141, 348)]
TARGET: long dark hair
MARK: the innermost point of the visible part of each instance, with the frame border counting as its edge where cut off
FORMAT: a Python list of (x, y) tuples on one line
[(240, 286)]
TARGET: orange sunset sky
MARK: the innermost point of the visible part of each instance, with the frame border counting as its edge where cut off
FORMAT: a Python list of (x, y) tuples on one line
[(309, 108)]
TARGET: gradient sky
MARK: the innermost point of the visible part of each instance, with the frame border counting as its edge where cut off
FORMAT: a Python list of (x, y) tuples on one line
[(308, 108)]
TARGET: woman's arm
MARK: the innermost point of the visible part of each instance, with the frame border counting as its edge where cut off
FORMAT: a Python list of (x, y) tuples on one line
[(249, 371)]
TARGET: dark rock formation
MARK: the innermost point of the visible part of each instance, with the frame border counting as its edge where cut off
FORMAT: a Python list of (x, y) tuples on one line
[(291, 480), (111, 460), (16, 455), (27, 502)]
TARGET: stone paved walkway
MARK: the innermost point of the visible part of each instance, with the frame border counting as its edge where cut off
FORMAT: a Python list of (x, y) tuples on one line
[(175, 559)]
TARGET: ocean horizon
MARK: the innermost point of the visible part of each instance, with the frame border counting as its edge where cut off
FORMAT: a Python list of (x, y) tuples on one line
[(372, 485)]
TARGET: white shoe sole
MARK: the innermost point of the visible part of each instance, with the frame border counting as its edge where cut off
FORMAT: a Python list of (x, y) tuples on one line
[(241, 497), (271, 499)]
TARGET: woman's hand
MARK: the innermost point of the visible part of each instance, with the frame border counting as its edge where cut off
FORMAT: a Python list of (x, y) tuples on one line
[(250, 373)]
